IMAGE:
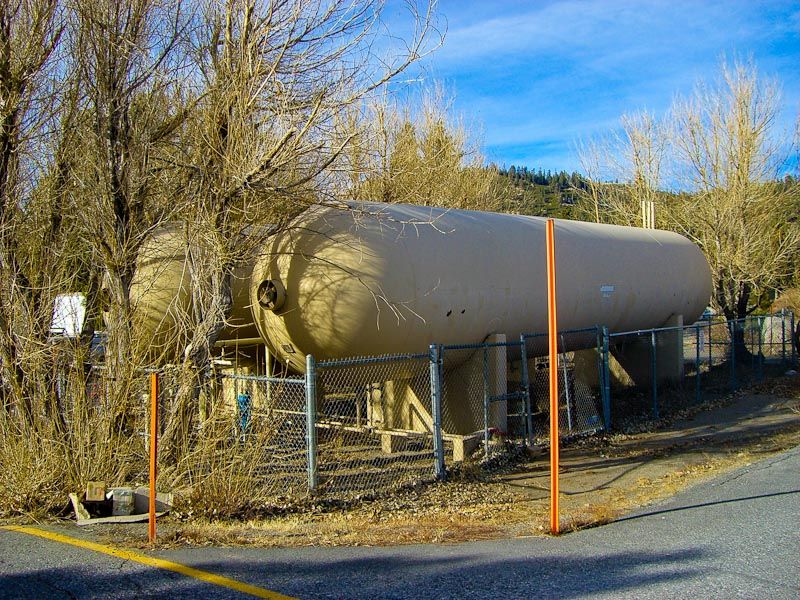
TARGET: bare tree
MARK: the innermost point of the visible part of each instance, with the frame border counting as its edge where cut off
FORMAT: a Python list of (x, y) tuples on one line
[(128, 67), (624, 172), (275, 79), (428, 158), (721, 153), (728, 154), (29, 35), (46, 426), (591, 197)]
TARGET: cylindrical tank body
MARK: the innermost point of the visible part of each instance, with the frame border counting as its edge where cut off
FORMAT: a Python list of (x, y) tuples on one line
[(395, 278), (161, 292)]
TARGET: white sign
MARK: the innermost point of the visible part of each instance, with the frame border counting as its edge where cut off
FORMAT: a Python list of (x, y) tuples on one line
[(606, 290)]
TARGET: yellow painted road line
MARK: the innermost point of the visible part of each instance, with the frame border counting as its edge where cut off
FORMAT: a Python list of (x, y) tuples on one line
[(150, 561)]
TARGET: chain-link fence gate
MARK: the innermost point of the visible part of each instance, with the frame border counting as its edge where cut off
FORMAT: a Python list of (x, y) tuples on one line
[(580, 410), (375, 424)]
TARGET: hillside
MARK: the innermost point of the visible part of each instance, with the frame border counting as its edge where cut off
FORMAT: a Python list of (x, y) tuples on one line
[(541, 193)]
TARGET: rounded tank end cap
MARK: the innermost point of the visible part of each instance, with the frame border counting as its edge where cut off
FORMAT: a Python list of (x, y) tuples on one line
[(271, 294)]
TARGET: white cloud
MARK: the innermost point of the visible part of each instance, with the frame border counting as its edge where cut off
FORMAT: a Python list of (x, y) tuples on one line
[(540, 75)]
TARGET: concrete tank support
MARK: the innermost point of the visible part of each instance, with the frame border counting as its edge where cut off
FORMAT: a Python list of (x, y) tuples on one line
[(634, 356)]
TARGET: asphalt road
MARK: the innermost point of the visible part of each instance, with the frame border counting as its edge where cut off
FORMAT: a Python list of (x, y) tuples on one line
[(735, 537)]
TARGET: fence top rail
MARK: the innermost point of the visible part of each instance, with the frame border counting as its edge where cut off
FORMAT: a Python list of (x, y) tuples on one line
[(265, 379), (646, 331), (564, 332), (369, 360), (481, 346), (697, 324), (694, 325)]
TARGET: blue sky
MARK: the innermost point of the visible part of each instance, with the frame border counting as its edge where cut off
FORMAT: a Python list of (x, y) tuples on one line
[(538, 76)]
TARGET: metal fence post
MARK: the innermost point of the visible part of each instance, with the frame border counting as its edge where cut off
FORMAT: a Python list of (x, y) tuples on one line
[(526, 390), (154, 386), (566, 382), (436, 409), (760, 363), (783, 336), (681, 333), (710, 344), (654, 372), (311, 422), (794, 339), (697, 364), (732, 331), (599, 349), (486, 402), (606, 378)]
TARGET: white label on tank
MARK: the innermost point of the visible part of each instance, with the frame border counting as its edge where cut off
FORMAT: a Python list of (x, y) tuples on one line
[(606, 290)]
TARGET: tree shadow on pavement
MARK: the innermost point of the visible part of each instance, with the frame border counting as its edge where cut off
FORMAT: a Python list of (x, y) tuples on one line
[(444, 572)]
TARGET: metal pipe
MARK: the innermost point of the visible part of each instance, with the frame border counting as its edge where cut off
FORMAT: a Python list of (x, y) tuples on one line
[(476, 346), (566, 384), (260, 378), (760, 349), (564, 331), (644, 331), (268, 370), (710, 350), (249, 341), (370, 360), (732, 329), (526, 388), (151, 519), (486, 402), (783, 335)]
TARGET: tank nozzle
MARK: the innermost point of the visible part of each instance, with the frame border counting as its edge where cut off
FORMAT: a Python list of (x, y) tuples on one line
[(271, 294)]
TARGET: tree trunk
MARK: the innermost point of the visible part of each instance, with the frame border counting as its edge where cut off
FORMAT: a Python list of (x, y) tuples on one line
[(734, 300), (196, 367)]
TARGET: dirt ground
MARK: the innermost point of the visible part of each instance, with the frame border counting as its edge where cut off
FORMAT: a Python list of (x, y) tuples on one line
[(601, 478)]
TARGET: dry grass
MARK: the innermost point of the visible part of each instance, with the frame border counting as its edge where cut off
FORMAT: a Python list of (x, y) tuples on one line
[(223, 496), (31, 476), (43, 459), (447, 513), (473, 510)]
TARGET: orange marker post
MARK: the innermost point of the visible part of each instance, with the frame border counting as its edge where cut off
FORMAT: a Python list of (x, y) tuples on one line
[(552, 331), (151, 531)]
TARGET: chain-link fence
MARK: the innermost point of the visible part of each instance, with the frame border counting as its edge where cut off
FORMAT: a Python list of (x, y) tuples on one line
[(361, 427), (267, 418), (483, 402), (236, 441), (652, 371), (498, 391), (374, 424), (777, 337)]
